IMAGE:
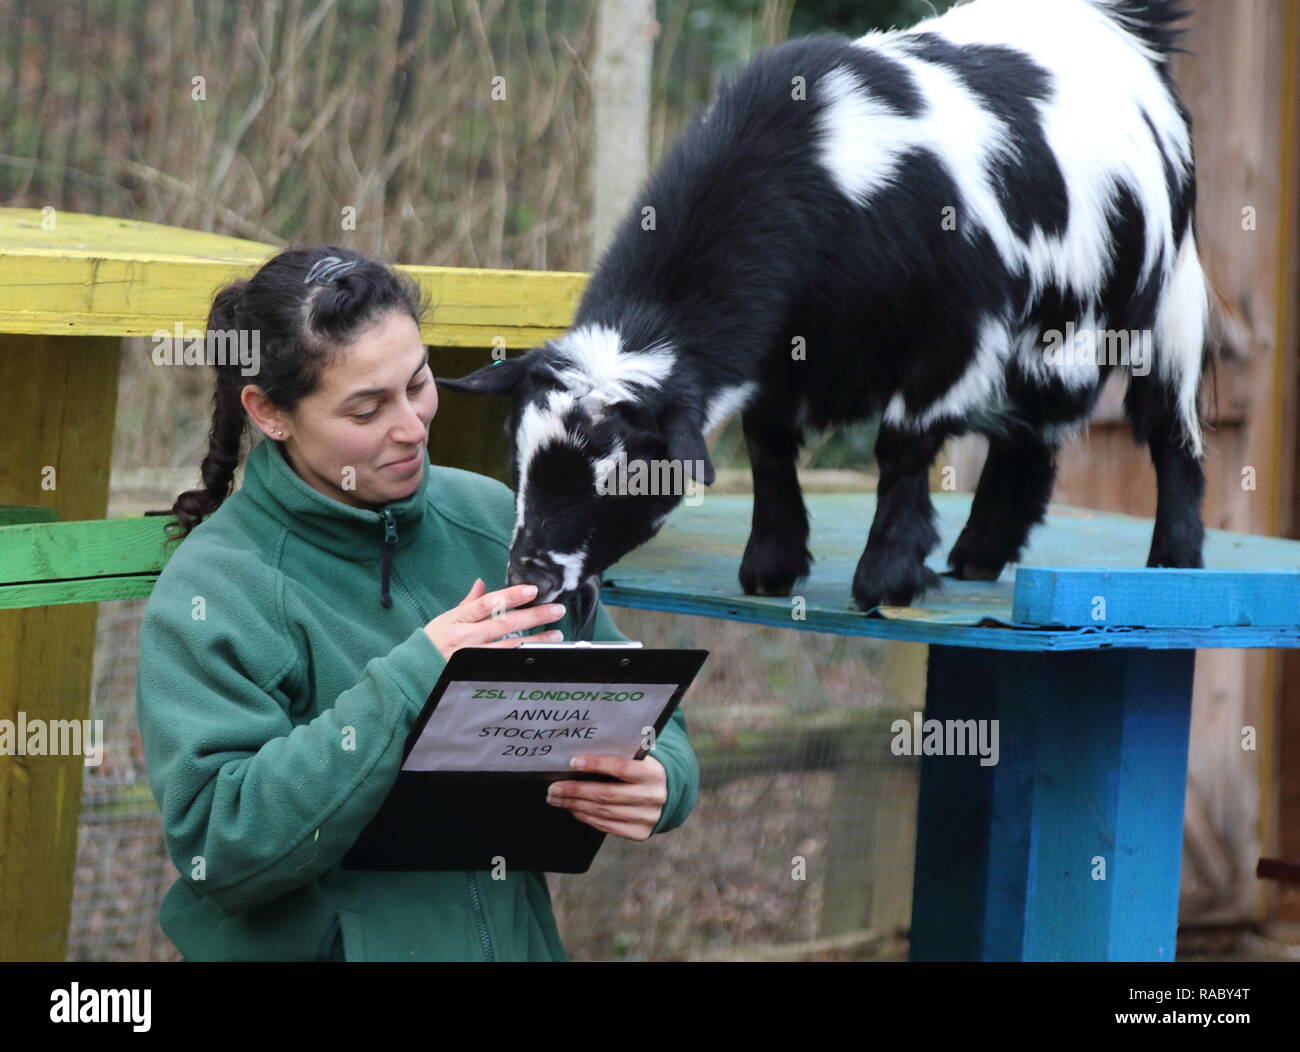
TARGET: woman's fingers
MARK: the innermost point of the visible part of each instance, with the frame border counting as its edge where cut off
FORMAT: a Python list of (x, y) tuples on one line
[(515, 621), (546, 637), (630, 808), (646, 769), (494, 604), (614, 794), (635, 815), (475, 590), (629, 830), (483, 616)]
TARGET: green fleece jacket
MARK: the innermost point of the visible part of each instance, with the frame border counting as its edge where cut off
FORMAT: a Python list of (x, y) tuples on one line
[(285, 621)]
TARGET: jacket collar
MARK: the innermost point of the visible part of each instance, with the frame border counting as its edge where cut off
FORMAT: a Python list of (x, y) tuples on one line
[(358, 534)]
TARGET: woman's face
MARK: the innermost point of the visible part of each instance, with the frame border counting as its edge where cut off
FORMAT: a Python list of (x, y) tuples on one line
[(371, 411)]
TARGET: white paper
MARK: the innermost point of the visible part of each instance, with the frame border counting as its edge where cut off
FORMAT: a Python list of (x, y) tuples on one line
[(483, 725)]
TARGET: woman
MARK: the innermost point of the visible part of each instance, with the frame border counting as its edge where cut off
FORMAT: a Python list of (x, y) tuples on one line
[(291, 641)]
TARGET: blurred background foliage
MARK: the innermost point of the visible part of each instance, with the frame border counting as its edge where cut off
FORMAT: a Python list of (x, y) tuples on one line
[(266, 120)]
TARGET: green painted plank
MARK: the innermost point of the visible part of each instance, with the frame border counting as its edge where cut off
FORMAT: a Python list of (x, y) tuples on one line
[(90, 590), (11, 515), (72, 550)]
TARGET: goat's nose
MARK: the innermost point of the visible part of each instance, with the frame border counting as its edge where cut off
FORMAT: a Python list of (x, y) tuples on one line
[(531, 570)]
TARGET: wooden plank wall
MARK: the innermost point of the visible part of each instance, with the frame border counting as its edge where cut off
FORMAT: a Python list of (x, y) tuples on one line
[(1232, 84)]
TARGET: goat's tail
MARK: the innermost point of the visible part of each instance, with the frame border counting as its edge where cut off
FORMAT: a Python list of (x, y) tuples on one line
[(1154, 22)]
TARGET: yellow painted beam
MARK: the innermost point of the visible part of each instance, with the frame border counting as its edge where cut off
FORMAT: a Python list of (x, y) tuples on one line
[(92, 275)]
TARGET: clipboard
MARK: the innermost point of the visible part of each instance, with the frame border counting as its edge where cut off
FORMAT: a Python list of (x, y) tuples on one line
[(475, 820)]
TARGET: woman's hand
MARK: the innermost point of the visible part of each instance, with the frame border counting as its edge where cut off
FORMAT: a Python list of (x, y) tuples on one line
[(628, 808), (484, 616)]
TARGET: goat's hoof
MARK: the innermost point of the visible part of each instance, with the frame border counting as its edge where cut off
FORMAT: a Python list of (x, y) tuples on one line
[(973, 567), (1172, 557), (771, 567), (973, 560), (973, 571), (890, 580), (1178, 545)]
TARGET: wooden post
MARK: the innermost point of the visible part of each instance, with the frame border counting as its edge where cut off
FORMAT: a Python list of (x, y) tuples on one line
[(1068, 848), (58, 402), (625, 31)]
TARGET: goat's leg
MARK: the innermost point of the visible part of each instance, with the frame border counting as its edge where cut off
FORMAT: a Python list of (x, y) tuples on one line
[(1010, 500), (777, 553), (892, 569), (1180, 478)]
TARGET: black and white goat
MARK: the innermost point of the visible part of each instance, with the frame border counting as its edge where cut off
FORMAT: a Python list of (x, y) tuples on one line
[(901, 225)]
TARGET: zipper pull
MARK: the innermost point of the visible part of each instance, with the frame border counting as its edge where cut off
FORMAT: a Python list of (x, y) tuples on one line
[(390, 543)]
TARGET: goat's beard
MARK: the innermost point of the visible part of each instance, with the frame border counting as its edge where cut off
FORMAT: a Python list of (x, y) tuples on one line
[(581, 604)]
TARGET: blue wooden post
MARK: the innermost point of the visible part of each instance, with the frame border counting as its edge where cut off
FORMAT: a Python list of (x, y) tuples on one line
[(1069, 847)]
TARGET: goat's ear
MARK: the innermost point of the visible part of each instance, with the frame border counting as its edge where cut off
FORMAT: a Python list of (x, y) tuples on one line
[(499, 378), (684, 436)]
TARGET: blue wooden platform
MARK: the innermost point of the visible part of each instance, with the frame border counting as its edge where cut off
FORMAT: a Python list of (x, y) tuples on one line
[(1069, 847), (1252, 599)]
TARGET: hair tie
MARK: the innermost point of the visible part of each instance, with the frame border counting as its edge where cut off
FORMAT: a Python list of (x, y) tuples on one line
[(328, 269)]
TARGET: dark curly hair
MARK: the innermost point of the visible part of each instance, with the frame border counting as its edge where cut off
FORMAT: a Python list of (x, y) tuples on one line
[(302, 328)]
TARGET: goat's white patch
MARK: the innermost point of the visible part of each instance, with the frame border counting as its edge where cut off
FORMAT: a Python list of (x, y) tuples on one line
[(541, 425), (596, 371), (600, 368), (604, 468), (727, 401), (1083, 121), (1093, 122), (1180, 337), (1075, 368), (861, 136), (980, 388), (863, 141), (571, 563)]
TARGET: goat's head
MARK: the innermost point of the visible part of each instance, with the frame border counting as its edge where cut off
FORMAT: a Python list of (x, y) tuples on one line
[(600, 454)]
